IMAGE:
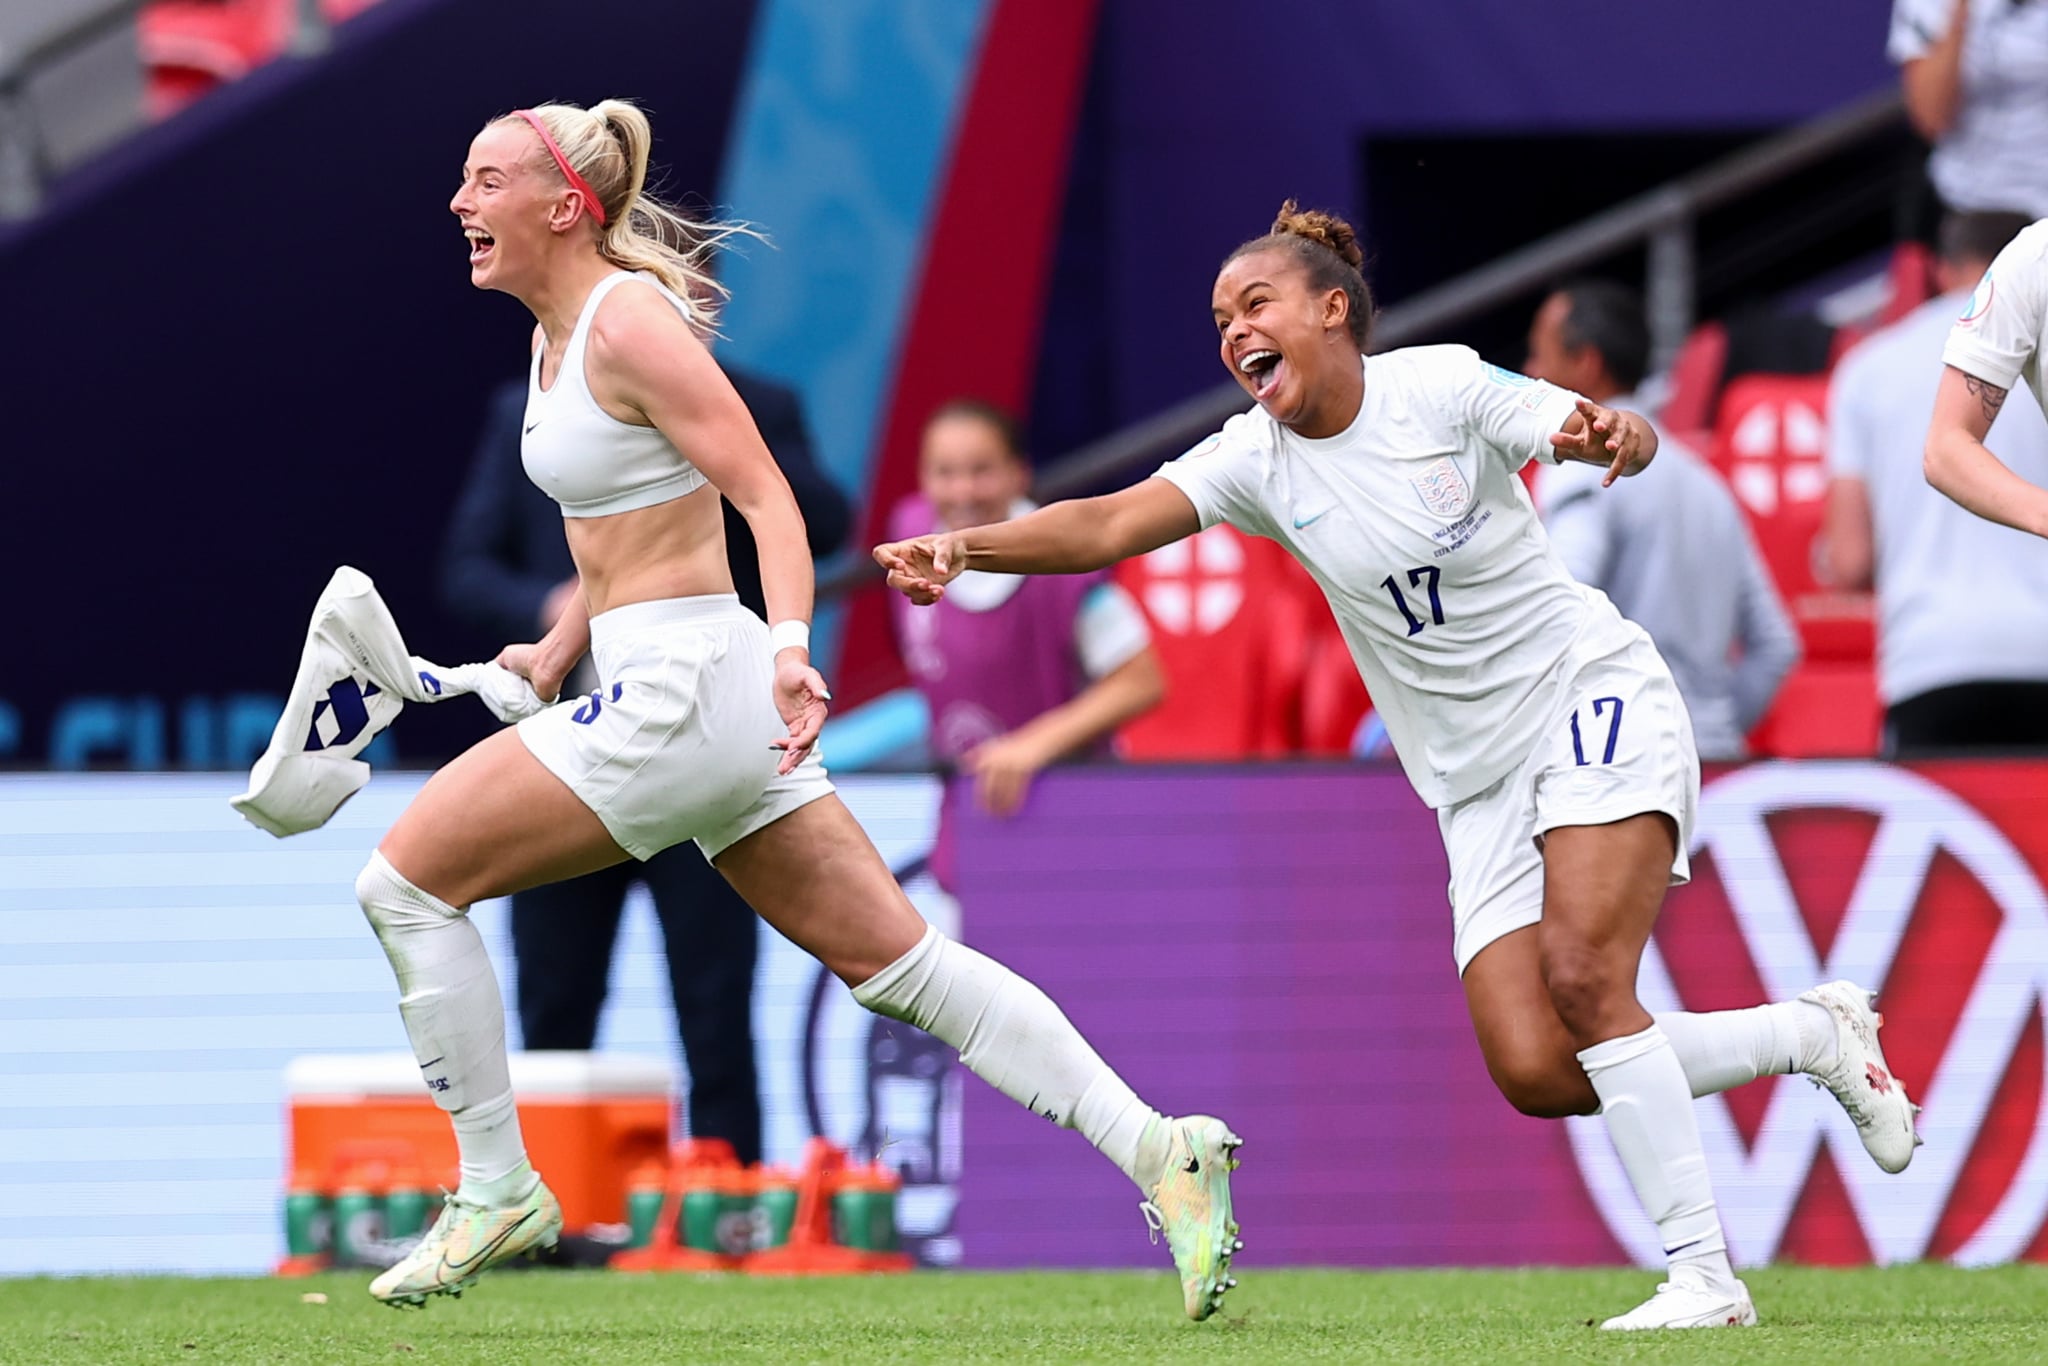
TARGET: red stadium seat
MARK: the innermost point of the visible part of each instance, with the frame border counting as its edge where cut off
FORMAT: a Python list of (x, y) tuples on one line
[(1333, 696), (1231, 622), (1909, 283), (1770, 443), (1696, 379), (1826, 710), (1911, 277), (192, 46)]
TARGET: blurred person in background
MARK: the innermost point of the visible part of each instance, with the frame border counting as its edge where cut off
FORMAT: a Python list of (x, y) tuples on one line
[(506, 569), (1672, 550), (1962, 607), (1975, 78), (1018, 672)]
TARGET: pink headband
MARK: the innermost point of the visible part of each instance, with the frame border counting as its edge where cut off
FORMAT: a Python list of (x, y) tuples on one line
[(576, 182)]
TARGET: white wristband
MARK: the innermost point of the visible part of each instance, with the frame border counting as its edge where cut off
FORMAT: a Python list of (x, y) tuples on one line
[(791, 634)]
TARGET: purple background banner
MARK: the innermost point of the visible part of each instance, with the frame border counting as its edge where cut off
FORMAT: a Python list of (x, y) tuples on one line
[(1273, 947)]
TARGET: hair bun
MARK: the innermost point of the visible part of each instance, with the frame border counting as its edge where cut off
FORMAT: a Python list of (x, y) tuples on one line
[(1325, 228)]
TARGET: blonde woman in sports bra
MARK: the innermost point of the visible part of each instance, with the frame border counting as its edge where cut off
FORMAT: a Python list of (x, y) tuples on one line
[(704, 725)]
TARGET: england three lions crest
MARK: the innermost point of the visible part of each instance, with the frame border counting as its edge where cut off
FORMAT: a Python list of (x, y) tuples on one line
[(1443, 489)]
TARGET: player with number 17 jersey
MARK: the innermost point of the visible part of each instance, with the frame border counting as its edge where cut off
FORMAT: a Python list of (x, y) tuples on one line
[(1462, 621), (1544, 728)]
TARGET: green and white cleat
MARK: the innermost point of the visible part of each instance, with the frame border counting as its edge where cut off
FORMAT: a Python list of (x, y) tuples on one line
[(466, 1241), (1191, 1206)]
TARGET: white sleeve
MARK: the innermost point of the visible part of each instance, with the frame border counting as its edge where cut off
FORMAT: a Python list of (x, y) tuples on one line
[(1109, 630), (1997, 334), (1510, 412), (1221, 476), (1917, 25)]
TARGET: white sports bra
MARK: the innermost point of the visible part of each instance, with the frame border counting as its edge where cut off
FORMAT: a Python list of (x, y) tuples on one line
[(580, 455)]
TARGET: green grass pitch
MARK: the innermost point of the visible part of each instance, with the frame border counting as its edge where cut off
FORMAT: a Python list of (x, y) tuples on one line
[(1813, 1317)]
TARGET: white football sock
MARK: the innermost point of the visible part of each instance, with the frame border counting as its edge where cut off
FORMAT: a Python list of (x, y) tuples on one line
[(1011, 1035), (1648, 1109), (455, 1018), (1726, 1048)]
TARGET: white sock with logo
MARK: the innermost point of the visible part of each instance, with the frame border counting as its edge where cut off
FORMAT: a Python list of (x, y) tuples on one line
[(455, 1018), (1726, 1048), (1011, 1035), (1648, 1109)]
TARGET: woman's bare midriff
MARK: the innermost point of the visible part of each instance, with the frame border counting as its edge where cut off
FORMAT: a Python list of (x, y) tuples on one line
[(671, 550)]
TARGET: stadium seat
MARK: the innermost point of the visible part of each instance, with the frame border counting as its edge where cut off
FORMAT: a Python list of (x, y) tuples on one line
[(1909, 283), (1696, 379), (1770, 444), (1231, 620), (1333, 697), (1826, 710), (193, 46), (1911, 276)]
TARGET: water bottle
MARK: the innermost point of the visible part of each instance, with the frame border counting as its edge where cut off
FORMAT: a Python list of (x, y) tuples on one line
[(405, 1207), (308, 1218), (645, 1193), (358, 1220), (777, 1207), (864, 1214)]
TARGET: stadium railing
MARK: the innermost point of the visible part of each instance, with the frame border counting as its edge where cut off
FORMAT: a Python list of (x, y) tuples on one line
[(70, 83), (1663, 222)]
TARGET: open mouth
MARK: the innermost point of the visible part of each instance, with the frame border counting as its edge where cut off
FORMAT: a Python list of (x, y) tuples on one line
[(481, 244), (1263, 369)]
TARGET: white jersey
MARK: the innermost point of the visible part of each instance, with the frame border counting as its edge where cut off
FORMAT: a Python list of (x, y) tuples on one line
[(575, 452), (1462, 621), (1959, 600), (1998, 339)]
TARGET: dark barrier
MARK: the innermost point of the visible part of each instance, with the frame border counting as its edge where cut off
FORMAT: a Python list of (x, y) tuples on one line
[(1275, 947), (245, 349)]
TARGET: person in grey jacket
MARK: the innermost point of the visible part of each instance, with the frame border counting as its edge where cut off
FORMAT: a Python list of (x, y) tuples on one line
[(1672, 550)]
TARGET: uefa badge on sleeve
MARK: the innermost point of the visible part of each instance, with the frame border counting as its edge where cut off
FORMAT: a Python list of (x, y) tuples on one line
[(1979, 305)]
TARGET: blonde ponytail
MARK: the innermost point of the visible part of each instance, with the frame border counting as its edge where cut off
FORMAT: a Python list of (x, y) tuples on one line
[(608, 144)]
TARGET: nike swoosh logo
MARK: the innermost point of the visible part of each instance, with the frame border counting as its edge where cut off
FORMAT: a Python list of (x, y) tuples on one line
[(529, 430), (488, 1248), (425, 1065), (1302, 524)]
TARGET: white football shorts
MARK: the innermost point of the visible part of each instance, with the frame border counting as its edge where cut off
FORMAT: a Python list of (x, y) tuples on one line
[(1621, 744), (674, 742)]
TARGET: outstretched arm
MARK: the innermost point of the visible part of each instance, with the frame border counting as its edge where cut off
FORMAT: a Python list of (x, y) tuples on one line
[(1958, 463), (1073, 537)]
